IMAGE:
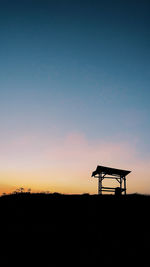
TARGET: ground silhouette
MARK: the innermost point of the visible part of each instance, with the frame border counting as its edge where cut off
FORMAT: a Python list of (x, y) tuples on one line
[(74, 230)]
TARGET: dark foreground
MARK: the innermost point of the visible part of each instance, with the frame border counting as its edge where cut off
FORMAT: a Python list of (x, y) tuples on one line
[(60, 230)]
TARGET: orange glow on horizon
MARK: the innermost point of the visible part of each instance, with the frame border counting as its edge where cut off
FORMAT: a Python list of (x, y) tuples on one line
[(65, 166)]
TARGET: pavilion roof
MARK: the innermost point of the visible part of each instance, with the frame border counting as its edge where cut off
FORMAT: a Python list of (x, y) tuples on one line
[(110, 171)]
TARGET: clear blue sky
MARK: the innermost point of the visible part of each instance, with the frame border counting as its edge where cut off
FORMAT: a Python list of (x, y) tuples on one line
[(75, 67)]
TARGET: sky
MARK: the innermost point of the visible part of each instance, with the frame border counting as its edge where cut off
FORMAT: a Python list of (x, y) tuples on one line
[(74, 93)]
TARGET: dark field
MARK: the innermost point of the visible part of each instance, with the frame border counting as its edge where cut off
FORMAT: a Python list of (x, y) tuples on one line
[(63, 230)]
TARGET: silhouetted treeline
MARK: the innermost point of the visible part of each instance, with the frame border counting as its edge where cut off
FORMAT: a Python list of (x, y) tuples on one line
[(54, 229)]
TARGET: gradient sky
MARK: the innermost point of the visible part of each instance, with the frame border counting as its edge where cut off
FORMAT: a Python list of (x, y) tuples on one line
[(74, 93)]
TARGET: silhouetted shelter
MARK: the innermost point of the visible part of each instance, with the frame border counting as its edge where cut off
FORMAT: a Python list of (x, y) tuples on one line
[(117, 174)]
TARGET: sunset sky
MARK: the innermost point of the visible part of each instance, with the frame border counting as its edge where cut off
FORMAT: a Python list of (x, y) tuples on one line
[(74, 93)]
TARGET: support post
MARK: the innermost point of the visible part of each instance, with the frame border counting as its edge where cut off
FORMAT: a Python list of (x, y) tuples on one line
[(121, 184), (100, 184), (125, 185)]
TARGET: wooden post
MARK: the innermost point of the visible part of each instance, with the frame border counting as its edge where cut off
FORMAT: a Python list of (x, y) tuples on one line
[(100, 184), (125, 189), (121, 184)]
